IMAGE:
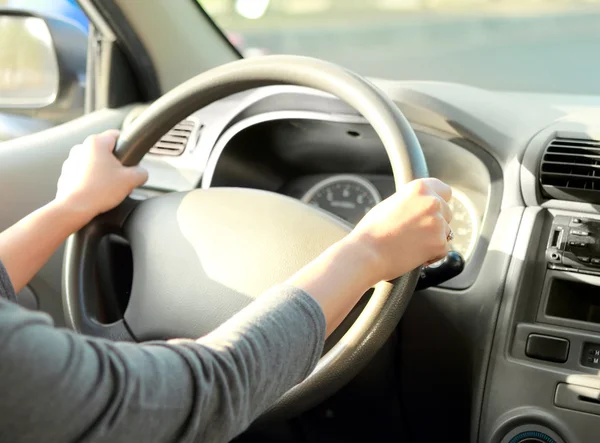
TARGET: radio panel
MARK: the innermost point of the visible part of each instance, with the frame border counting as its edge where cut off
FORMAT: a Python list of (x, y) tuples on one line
[(574, 245)]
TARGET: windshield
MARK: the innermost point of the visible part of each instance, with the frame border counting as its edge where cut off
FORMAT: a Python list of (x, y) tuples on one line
[(514, 45)]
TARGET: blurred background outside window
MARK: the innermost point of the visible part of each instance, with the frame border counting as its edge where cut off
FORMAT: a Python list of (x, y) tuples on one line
[(516, 45)]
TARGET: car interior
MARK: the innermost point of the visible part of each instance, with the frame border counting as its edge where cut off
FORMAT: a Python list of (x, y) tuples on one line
[(500, 342)]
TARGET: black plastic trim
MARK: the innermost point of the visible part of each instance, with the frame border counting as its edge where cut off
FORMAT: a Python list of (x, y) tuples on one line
[(79, 269), (216, 27), (132, 47)]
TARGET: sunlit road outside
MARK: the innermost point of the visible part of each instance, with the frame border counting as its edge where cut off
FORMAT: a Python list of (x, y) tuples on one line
[(551, 47)]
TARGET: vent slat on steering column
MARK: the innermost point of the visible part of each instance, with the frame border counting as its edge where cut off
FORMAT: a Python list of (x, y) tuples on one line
[(175, 141), (570, 169)]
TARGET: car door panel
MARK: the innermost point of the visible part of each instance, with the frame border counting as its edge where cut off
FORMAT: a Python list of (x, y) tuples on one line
[(29, 169)]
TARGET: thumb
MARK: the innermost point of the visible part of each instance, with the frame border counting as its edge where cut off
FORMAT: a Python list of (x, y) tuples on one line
[(112, 133), (105, 141), (137, 175)]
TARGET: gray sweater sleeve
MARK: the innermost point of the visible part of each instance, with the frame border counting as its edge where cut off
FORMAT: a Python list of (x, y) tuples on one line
[(62, 387), (6, 288)]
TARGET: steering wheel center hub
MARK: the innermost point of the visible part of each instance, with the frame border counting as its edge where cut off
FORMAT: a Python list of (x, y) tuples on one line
[(220, 248)]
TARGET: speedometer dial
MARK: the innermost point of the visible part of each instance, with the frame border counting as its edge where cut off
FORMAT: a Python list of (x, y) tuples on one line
[(348, 196)]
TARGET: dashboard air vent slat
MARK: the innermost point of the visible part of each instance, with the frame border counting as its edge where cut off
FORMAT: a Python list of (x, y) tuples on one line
[(586, 153), (570, 169), (174, 142), (574, 160), (573, 142)]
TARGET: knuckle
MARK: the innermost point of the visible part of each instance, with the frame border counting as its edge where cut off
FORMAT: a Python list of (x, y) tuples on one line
[(90, 140), (433, 225), (435, 232), (92, 143), (74, 150), (431, 205), (420, 187)]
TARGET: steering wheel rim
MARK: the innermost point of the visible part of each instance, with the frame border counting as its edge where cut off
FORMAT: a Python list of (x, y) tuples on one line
[(389, 300)]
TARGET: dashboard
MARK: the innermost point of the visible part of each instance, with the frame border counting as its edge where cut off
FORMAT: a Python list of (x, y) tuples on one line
[(470, 348)]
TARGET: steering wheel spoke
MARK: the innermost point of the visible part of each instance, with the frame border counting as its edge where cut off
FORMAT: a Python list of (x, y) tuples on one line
[(114, 220), (80, 293)]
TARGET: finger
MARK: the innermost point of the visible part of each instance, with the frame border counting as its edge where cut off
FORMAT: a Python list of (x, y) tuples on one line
[(65, 166), (439, 187), (104, 141), (110, 134), (447, 232), (444, 248), (435, 260), (76, 148), (77, 151), (107, 140), (446, 211), (137, 174), (89, 140), (114, 133)]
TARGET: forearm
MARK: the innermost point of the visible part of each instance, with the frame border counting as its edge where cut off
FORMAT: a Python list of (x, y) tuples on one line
[(26, 246), (207, 391), (338, 278)]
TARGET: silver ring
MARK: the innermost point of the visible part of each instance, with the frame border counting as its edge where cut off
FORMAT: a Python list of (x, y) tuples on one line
[(450, 236)]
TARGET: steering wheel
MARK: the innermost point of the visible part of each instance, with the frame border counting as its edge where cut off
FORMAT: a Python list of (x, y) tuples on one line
[(200, 256)]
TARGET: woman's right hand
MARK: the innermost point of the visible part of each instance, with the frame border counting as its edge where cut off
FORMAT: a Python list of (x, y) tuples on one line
[(408, 229), (405, 231)]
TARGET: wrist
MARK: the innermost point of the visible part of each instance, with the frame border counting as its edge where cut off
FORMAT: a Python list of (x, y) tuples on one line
[(74, 216), (360, 250)]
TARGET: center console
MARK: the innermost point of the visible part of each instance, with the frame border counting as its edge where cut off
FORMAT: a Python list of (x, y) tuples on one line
[(544, 376)]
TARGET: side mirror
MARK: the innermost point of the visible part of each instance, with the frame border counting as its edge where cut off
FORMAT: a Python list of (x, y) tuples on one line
[(29, 73), (42, 62)]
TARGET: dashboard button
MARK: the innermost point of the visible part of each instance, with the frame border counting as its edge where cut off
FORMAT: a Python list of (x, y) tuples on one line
[(596, 261), (584, 259), (579, 232), (545, 347), (590, 355), (589, 271)]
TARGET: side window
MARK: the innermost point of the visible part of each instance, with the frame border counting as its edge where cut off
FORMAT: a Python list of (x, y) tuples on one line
[(42, 64)]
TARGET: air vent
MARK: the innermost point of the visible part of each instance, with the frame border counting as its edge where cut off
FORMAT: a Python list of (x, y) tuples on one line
[(570, 169), (173, 143)]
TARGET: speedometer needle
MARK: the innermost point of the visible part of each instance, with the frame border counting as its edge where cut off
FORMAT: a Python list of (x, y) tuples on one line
[(342, 204)]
